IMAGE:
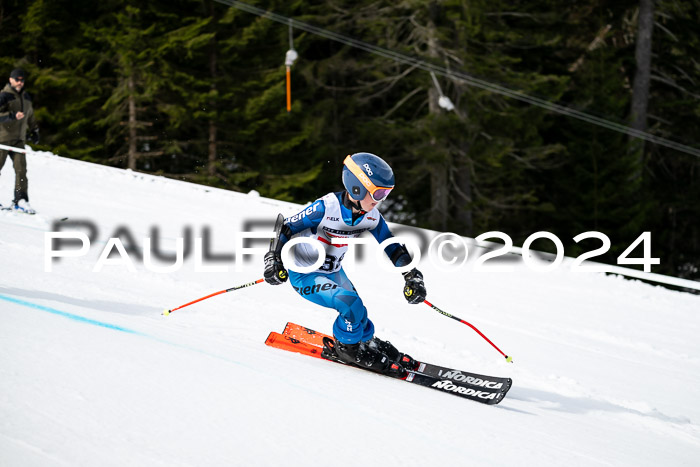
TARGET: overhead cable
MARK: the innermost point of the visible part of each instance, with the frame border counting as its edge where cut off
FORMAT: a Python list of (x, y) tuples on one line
[(461, 76)]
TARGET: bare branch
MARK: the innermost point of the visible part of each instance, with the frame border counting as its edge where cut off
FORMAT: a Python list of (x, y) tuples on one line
[(402, 102)]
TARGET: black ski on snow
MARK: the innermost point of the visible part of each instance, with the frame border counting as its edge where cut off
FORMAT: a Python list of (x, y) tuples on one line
[(489, 392), (480, 388), (465, 378)]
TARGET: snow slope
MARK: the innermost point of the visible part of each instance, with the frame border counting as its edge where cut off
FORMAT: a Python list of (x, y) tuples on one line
[(606, 370)]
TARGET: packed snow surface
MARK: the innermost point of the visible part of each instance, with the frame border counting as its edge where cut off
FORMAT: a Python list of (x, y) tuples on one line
[(606, 370)]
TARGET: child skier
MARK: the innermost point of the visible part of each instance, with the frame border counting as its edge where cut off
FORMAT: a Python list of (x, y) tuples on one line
[(368, 180)]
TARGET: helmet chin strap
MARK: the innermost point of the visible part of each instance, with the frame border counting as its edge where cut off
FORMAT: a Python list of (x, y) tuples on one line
[(351, 203)]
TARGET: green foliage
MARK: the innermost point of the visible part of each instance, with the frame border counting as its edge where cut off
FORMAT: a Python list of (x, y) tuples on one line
[(207, 84)]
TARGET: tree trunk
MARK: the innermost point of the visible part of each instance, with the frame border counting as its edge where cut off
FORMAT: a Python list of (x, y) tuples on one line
[(463, 185), (211, 164), (213, 56), (642, 77), (132, 154), (439, 187)]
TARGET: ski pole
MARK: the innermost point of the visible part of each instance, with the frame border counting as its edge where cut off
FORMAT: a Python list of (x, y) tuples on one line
[(167, 312), (12, 149), (508, 359)]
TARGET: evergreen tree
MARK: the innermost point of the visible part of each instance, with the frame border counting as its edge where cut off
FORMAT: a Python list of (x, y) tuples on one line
[(12, 13), (196, 90), (66, 94), (130, 39), (674, 112), (472, 162)]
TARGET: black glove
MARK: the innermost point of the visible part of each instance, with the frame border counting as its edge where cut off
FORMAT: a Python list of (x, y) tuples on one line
[(34, 136), (414, 290), (275, 273)]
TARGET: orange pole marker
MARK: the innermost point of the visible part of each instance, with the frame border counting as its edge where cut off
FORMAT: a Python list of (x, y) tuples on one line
[(289, 89)]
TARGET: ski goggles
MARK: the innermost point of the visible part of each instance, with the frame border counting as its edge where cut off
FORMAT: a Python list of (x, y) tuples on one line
[(378, 193)]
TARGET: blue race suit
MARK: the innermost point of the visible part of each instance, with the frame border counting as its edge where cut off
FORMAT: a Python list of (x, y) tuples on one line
[(329, 286)]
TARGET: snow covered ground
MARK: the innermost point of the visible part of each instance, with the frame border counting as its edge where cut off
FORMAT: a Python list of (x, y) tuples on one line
[(606, 370)]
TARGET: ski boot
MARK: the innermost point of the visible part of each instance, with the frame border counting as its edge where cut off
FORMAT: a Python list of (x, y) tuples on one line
[(392, 352), (362, 356), (23, 206)]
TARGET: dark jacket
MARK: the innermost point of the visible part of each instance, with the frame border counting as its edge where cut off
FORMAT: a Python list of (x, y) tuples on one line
[(12, 102)]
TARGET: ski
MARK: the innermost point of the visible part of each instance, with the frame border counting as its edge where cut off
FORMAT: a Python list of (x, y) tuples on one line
[(465, 377), (304, 334), (312, 337), (11, 209), (479, 388)]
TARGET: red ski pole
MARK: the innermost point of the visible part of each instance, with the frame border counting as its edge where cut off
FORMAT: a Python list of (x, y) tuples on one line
[(167, 312), (508, 359)]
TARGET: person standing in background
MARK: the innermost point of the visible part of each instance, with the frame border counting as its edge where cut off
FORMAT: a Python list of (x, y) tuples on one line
[(16, 119)]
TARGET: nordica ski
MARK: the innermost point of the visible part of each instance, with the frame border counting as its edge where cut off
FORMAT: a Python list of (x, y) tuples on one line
[(310, 336), (479, 388)]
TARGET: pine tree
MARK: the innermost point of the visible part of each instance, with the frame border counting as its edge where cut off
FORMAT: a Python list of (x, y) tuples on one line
[(205, 85), (674, 112), (131, 118), (474, 161), (62, 80), (11, 21)]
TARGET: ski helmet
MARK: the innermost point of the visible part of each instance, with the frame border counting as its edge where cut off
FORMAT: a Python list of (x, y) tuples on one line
[(366, 173)]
